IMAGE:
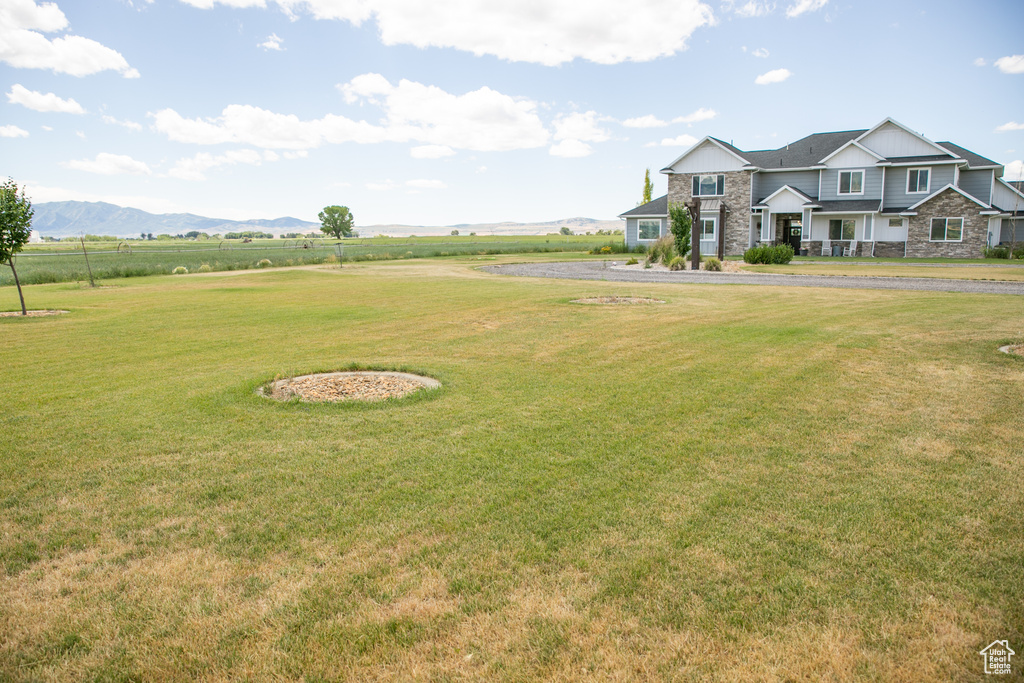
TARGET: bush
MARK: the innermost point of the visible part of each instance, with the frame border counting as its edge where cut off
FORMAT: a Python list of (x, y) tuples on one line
[(996, 252), (1018, 253), (778, 255), (632, 261), (264, 263), (713, 264), (677, 263), (205, 268), (606, 250), (662, 251), (180, 270)]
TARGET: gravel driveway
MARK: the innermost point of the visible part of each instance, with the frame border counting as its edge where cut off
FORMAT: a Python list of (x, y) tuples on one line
[(598, 270)]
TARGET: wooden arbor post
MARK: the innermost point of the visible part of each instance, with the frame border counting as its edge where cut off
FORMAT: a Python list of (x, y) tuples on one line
[(694, 209), (721, 230)]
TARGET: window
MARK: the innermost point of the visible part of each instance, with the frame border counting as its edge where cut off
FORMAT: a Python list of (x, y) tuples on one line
[(708, 185), (648, 229), (895, 222), (707, 229), (851, 182), (917, 180), (841, 228), (947, 229)]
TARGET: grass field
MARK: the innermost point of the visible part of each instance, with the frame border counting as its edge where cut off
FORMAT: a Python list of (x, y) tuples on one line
[(992, 270), (742, 483), (65, 261)]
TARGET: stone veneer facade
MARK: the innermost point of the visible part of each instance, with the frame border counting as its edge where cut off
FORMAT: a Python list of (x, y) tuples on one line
[(737, 201), (949, 204)]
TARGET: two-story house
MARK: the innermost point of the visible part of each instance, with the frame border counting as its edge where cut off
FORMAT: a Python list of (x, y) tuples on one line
[(884, 191)]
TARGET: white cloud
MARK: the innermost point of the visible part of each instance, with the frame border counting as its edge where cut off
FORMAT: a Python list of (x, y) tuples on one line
[(1010, 125), (12, 131), (431, 151), (571, 148), (649, 121), (760, 52), (773, 76), (755, 9), (381, 187), (423, 184), (549, 33), (1014, 64), (980, 61), (1014, 170), (701, 114), (130, 125), (47, 128), (482, 120), (23, 45), (679, 141), (801, 6), (109, 164), (194, 168), (577, 126), (300, 154), (273, 42), (481, 169), (38, 101)]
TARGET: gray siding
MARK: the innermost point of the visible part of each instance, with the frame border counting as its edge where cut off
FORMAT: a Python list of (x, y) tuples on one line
[(766, 183), (631, 230), (978, 184), (830, 184), (896, 185)]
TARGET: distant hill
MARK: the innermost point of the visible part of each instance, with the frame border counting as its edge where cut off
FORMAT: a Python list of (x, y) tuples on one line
[(67, 219)]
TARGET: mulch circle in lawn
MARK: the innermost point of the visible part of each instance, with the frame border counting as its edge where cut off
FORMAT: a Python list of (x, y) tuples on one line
[(31, 314), (1015, 349), (357, 385), (616, 300)]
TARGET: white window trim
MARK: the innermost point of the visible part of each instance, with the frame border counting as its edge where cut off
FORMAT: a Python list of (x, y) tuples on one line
[(714, 234), (927, 186), (710, 175), (963, 226), (839, 182), (648, 239)]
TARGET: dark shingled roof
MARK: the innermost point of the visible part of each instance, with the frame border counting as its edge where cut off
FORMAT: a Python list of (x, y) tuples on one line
[(803, 153), (973, 159), (658, 207), (851, 205), (923, 159)]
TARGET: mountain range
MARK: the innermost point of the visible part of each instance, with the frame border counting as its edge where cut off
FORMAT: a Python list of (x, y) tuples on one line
[(68, 219)]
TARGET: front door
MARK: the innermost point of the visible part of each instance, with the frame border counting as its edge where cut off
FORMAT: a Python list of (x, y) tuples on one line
[(794, 238)]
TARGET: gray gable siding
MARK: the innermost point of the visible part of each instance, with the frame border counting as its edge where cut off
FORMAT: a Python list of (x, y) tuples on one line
[(767, 183), (872, 184), (896, 185), (978, 184)]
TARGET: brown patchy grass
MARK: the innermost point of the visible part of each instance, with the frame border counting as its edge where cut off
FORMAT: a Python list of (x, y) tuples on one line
[(952, 272)]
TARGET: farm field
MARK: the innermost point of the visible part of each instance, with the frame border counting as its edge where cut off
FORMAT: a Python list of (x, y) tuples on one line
[(64, 261), (741, 483)]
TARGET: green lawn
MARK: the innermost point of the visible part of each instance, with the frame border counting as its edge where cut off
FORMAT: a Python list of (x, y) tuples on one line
[(993, 270), (743, 483)]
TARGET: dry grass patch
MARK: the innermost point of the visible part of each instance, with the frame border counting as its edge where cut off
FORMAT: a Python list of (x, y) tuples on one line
[(617, 300), (30, 314)]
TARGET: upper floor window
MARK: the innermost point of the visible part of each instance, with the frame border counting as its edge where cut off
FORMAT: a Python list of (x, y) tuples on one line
[(947, 229), (917, 180), (851, 182), (708, 185)]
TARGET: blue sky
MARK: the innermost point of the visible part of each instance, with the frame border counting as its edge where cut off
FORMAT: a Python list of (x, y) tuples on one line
[(468, 111)]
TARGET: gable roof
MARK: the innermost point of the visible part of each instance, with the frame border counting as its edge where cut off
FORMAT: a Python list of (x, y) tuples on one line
[(786, 188), (851, 143), (973, 160), (953, 187), (656, 207), (889, 119), (700, 143)]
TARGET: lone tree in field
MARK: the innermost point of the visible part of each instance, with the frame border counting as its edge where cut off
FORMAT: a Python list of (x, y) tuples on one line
[(680, 227), (337, 221), (648, 187), (15, 227)]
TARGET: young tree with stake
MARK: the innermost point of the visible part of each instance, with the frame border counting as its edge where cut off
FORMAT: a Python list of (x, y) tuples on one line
[(15, 228)]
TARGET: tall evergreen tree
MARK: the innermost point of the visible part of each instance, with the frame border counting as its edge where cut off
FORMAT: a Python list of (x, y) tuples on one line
[(648, 186)]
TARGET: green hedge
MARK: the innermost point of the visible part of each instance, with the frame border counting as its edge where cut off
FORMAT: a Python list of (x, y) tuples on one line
[(779, 254)]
